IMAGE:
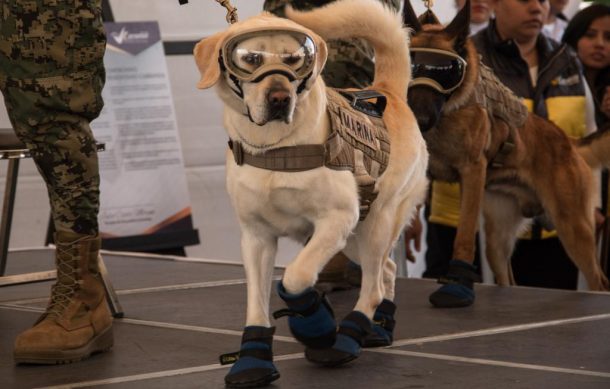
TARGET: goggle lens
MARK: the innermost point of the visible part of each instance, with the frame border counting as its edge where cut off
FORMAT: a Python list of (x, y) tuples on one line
[(445, 69), (248, 54)]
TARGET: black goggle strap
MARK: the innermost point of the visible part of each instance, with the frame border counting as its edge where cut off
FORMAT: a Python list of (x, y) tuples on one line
[(274, 71), (303, 83), (288, 75), (237, 90)]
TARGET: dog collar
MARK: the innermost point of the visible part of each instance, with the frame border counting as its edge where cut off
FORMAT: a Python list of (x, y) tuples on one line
[(287, 159)]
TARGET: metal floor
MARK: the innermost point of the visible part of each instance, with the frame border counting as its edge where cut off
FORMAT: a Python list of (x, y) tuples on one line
[(181, 314)]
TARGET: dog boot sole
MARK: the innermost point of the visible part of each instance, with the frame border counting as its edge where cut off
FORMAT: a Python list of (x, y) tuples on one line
[(445, 300), (374, 340), (328, 357), (263, 381)]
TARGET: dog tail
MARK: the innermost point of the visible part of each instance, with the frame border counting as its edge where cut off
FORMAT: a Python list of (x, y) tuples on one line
[(373, 22), (595, 149)]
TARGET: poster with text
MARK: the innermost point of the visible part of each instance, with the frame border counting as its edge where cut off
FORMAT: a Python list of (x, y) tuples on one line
[(145, 204)]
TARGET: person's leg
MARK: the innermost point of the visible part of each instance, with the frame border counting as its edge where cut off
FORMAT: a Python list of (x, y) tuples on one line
[(439, 242), (543, 263), (52, 88)]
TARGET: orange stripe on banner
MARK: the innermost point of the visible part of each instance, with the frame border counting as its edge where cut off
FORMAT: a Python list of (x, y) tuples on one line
[(170, 220), (105, 235)]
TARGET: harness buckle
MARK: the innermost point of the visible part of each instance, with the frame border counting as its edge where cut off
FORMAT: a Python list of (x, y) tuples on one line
[(238, 152)]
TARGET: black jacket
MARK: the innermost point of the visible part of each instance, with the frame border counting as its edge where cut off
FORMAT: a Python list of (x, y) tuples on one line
[(559, 72)]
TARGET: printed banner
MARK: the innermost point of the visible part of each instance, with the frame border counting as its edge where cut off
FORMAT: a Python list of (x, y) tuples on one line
[(145, 203)]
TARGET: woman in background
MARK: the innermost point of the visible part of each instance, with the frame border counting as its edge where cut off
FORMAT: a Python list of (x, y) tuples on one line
[(589, 34)]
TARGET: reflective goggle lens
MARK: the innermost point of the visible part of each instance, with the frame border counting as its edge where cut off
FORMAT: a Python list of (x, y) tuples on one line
[(250, 54), (444, 68)]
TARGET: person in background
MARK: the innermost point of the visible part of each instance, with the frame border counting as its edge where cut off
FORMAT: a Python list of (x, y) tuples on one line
[(350, 64), (443, 209), (556, 22), (589, 34), (547, 75), (51, 76)]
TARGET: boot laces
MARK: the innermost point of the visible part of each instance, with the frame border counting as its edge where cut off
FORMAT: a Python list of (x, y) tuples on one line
[(67, 283)]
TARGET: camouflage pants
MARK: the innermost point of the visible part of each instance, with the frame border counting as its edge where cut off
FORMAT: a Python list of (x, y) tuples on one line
[(51, 76), (350, 62)]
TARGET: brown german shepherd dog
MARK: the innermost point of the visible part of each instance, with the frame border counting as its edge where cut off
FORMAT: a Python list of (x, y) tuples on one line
[(512, 167)]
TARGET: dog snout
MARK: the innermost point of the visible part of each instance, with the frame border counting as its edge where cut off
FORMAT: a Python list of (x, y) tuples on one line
[(278, 99), (278, 104), (427, 106)]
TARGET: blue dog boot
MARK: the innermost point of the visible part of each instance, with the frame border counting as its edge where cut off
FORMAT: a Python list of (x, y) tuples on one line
[(310, 317), (253, 363), (383, 326), (457, 289), (353, 329)]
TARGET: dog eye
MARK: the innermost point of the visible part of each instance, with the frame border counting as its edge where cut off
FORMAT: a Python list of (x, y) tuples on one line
[(253, 59), (292, 59)]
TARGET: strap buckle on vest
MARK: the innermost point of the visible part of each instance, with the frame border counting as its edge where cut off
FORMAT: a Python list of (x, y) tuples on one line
[(238, 152), (358, 100)]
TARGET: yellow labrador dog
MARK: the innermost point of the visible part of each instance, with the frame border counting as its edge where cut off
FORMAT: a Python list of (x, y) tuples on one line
[(287, 177)]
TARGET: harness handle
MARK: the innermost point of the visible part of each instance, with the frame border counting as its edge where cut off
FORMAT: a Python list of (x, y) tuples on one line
[(231, 11)]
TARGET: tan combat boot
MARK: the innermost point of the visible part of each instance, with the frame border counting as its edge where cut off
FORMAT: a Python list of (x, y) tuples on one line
[(334, 275), (77, 322)]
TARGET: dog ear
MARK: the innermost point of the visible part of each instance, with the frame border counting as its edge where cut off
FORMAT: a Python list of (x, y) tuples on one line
[(459, 28), (206, 54), (409, 18)]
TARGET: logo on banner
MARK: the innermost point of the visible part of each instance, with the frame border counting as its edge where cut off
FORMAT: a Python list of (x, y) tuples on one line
[(125, 37), (132, 37)]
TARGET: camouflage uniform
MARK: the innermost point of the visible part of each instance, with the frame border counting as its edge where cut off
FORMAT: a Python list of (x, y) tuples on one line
[(51, 76), (350, 62)]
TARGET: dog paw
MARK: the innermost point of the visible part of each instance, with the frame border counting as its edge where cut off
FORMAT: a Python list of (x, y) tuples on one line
[(383, 326), (457, 290), (253, 364), (353, 329), (310, 317)]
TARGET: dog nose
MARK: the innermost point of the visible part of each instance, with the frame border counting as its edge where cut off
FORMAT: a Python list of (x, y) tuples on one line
[(279, 99)]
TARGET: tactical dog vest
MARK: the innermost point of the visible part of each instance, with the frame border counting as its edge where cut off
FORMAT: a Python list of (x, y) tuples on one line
[(498, 100), (358, 142), (502, 103)]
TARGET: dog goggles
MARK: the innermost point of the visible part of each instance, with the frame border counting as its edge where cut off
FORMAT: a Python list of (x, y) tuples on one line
[(251, 56), (438, 69)]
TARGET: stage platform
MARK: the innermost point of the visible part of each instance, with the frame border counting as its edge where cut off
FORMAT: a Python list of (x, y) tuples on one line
[(180, 315)]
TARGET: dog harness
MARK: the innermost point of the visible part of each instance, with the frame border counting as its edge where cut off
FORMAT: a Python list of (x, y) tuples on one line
[(358, 142), (500, 102)]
